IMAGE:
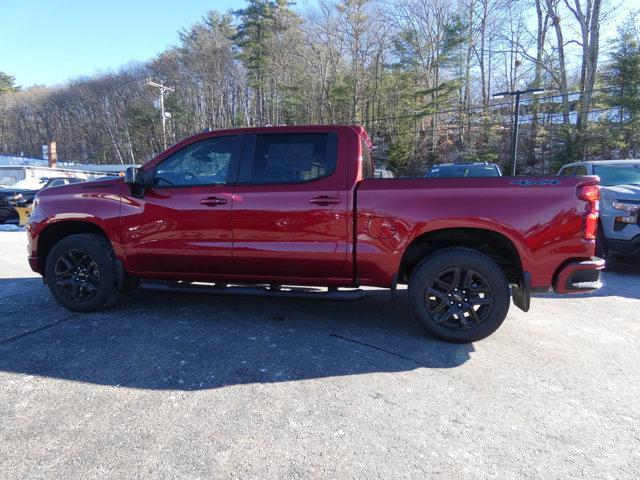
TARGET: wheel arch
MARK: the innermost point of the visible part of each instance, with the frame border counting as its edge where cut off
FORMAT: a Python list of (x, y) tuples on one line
[(495, 245), (55, 232)]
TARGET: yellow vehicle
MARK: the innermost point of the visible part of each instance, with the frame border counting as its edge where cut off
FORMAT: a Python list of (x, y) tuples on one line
[(23, 215), (15, 215)]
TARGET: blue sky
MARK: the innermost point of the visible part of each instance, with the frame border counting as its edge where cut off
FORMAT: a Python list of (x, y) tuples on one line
[(50, 41)]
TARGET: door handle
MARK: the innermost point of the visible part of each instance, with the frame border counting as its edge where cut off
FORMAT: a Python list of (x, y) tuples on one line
[(324, 200), (213, 201)]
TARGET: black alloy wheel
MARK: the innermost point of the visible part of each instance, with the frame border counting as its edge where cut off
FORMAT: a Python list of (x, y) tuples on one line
[(459, 295), (80, 271), (459, 298), (77, 275)]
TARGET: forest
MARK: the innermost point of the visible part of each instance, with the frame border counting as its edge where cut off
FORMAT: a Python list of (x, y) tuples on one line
[(419, 75)]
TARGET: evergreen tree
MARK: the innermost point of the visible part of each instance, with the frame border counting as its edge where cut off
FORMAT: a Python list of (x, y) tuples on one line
[(623, 74), (8, 83), (260, 21)]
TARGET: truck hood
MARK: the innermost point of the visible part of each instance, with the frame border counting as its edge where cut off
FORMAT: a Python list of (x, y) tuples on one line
[(81, 187), (621, 192)]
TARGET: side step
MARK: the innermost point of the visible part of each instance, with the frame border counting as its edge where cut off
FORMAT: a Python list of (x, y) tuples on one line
[(277, 291)]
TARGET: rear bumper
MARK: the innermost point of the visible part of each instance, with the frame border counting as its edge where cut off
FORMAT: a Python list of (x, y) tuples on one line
[(579, 277)]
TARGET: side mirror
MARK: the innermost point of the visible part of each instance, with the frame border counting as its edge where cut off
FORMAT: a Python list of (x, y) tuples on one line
[(133, 178)]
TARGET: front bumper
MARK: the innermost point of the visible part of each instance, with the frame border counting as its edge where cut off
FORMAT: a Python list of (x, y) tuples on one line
[(623, 247), (34, 263), (579, 277)]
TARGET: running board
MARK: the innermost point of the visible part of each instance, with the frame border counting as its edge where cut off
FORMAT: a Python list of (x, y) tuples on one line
[(276, 291)]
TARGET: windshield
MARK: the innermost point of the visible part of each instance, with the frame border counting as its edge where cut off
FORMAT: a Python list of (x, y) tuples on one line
[(618, 174), (461, 171)]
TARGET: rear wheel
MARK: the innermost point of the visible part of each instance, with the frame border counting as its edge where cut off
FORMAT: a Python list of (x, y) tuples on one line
[(80, 272), (459, 295)]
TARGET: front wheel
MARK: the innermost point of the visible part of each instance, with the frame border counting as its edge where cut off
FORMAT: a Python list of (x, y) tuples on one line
[(459, 295), (81, 273), (601, 248)]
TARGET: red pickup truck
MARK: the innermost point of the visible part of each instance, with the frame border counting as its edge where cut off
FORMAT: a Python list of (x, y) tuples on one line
[(298, 206)]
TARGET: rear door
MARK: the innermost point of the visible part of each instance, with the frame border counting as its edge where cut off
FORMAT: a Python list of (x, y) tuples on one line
[(291, 206)]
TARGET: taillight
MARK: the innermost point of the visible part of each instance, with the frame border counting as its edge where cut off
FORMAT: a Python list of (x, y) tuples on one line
[(590, 226), (591, 195), (588, 193)]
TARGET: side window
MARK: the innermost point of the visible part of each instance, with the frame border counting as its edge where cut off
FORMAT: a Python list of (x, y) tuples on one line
[(568, 171), (581, 170), (367, 162), (293, 158), (202, 163), (57, 182)]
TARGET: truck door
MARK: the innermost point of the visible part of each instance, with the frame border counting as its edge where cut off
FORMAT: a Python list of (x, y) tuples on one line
[(183, 222), (291, 209)]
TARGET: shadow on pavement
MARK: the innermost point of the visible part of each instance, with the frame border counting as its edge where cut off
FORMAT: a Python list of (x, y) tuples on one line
[(188, 342)]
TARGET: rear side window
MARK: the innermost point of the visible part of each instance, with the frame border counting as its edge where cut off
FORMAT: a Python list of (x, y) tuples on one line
[(293, 158), (581, 170), (568, 171)]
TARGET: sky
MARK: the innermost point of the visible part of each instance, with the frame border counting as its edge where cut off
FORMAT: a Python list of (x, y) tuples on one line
[(48, 42)]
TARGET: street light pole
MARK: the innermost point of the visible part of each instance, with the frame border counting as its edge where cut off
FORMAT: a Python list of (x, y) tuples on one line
[(162, 89), (516, 114), (514, 139)]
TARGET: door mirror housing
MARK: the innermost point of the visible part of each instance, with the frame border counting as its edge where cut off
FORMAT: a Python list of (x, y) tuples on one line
[(134, 178)]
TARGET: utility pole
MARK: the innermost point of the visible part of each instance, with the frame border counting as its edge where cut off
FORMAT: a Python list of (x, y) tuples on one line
[(516, 114), (164, 114)]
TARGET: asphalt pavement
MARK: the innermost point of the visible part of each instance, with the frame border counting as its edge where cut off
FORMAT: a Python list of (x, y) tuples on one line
[(184, 386)]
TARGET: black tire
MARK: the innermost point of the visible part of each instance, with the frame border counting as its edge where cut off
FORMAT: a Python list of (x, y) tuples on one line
[(81, 272), (602, 251), (446, 308)]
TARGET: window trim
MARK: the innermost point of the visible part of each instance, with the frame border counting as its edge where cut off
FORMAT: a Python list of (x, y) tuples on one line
[(371, 163), (232, 171), (249, 150)]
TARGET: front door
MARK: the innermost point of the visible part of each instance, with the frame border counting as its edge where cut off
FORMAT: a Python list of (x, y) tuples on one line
[(183, 222), (291, 208)]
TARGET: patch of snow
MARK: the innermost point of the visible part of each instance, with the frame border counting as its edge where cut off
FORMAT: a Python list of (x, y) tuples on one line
[(11, 228)]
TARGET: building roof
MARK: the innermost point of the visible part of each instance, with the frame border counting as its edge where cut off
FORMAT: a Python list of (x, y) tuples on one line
[(13, 160)]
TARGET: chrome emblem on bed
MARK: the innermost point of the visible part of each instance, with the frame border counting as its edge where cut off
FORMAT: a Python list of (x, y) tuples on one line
[(536, 183)]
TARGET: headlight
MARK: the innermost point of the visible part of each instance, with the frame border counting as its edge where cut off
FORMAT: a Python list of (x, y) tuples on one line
[(632, 208)]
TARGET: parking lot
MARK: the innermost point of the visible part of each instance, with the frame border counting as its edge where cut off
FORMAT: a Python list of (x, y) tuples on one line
[(213, 387)]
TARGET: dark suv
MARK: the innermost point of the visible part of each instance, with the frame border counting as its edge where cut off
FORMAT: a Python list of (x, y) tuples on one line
[(23, 197)]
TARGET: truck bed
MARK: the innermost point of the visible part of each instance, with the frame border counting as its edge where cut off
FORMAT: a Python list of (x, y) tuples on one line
[(540, 216)]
